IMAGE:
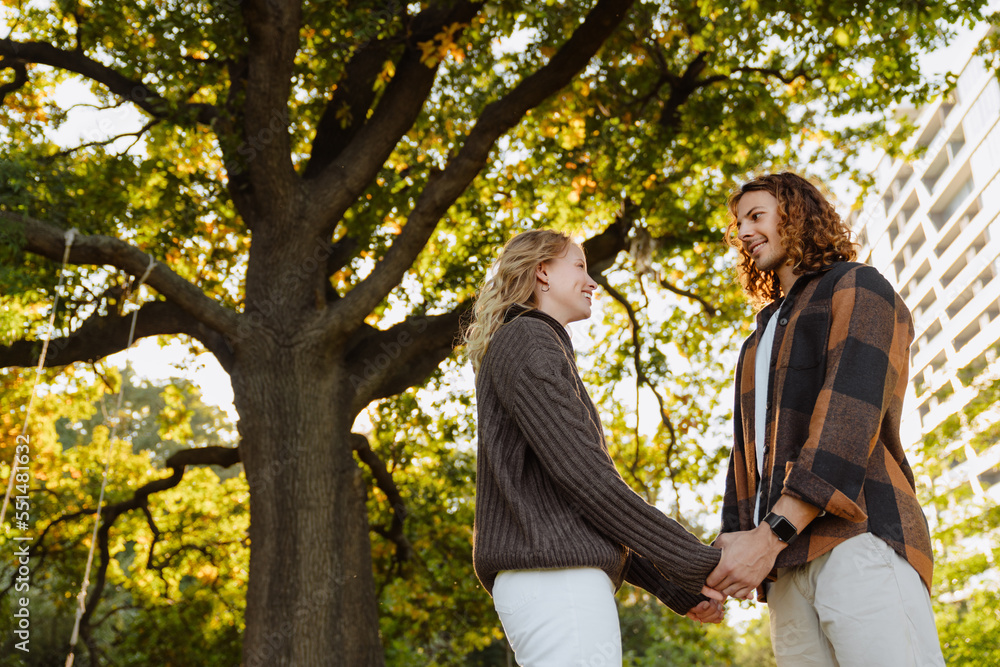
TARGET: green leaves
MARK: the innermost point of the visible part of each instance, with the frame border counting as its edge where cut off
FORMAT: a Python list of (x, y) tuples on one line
[(179, 572), (426, 443)]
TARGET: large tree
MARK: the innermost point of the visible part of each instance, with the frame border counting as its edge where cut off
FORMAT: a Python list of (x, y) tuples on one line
[(321, 186)]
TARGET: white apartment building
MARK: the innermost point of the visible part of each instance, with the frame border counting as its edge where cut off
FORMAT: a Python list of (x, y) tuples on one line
[(933, 229)]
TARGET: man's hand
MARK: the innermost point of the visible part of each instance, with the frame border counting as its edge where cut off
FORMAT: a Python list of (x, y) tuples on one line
[(713, 594), (747, 557), (709, 611)]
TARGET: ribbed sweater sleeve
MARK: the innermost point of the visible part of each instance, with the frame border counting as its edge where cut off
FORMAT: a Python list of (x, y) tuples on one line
[(642, 573), (539, 386)]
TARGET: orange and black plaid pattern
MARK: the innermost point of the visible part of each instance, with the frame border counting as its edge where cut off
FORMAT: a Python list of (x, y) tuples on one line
[(837, 378)]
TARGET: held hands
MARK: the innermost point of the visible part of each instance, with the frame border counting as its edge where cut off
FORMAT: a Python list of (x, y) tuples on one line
[(747, 557), (709, 611)]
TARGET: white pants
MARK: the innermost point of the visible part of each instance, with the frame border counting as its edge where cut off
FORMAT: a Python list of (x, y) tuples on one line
[(559, 618), (858, 605)]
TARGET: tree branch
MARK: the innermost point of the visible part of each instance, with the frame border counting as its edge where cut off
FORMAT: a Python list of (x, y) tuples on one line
[(643, 379), (222, 456), (383, 478), (640, 374), (798, 72), (338, 185), (347, 110), (601, 250), (50, 241), (99, 337), (151, 522), (681, 88), (134, 91), (273, 39), (105, 142), (20, 77), (203, 456), (709, 308), (386, 363), (444, 187), (656, 52), (114, 610)]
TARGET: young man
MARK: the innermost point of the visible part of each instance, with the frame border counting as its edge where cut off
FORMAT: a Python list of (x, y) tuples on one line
[(819, 493)]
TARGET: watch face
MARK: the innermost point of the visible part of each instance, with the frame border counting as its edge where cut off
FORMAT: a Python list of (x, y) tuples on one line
[(782, 527)]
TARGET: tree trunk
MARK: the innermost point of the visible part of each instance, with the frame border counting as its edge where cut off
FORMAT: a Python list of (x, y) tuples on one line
[(311, 597)]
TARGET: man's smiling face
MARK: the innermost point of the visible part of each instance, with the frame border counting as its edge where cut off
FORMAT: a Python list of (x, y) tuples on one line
[(757, 229)]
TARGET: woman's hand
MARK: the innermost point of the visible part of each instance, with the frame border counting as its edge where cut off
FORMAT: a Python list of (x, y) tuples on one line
[(709, 611)]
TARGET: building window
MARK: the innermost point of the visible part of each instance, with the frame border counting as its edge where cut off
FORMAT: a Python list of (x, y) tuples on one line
[(934, 171), (928, 336), (970, 79), (967, 334), (984, 112), (955, 230), (952, 198)]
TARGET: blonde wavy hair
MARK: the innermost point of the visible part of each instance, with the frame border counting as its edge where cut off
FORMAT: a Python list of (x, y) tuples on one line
[(511, 281), (812, 233)]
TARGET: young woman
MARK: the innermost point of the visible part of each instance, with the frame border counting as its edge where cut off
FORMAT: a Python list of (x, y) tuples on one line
[(557, 529)]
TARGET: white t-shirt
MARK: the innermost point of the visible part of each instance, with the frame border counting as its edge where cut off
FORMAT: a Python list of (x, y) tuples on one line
[(762, 372)]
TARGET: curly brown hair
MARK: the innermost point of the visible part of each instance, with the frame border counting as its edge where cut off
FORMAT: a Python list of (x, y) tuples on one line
[(812, 233)]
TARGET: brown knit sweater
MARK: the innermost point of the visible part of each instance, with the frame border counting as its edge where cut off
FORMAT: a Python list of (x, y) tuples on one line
[(548, 494)]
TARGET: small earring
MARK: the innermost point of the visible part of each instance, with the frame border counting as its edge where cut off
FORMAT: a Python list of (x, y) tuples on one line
[(545, 287)]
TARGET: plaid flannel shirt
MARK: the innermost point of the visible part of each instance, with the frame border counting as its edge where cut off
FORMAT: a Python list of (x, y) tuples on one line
[(837, 378)]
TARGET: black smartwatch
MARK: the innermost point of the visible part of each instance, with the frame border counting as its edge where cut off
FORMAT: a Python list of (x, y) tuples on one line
[(782, 528)]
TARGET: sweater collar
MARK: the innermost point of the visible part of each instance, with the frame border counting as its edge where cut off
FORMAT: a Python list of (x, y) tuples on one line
[(519, 310)]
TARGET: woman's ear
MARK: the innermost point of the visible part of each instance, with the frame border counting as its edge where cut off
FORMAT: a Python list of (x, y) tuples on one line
[(541, 275)]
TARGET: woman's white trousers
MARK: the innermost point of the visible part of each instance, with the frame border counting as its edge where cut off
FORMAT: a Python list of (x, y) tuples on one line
[(559, 618)]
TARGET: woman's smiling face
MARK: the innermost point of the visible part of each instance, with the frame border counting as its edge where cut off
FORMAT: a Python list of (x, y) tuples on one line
[(570, 288)]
